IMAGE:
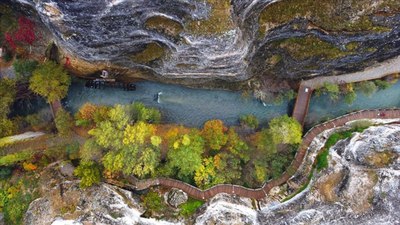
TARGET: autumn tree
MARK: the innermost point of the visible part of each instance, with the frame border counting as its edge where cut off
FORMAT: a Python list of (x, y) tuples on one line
[(50, 81), (110, 132), (90, 151), (285, 130), (185, 155), (140, 112), (139, 154), (214, 133)]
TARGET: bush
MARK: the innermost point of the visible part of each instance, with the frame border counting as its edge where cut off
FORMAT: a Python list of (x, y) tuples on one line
[(7, 127), (64, 122), (89, 173), (153, 203), (190, 207), (250, 121), (24, 68), (72, 150)]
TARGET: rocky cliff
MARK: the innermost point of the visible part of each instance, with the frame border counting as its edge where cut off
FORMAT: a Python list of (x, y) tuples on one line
[(192, 41), (360, 186)]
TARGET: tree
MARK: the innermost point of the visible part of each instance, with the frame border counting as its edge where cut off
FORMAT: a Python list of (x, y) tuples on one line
[(285, 130), (368, 88), (350, 97), (185, 154), (24, 68), (332, 90), (89, 173), (64, 122), (236, 146), (7, 96), (50, 81), (139, 154), (86, 112), (249, 120), (214, 133), (109, 133), (90, 151), (146, 114)]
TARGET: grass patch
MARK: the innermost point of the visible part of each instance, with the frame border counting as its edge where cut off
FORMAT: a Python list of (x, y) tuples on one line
[(219, 19), (305, 47), (326, 14), (190, 207)]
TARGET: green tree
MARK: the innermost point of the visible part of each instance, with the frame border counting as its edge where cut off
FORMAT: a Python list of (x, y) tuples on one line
[(15, 208), (214, 133), (50, 81), (24, 68), (236, 146), (146, 114), (285, 130), (7, 96), (332, 90), (350, 97), (89, 173), (368, 88), (90, 151), (7, 127), (64, 122), (185, 154), (249, 120)]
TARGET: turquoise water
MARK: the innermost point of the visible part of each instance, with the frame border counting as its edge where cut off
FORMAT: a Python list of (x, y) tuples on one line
[(192, 107), (322, 108), (181, 105)]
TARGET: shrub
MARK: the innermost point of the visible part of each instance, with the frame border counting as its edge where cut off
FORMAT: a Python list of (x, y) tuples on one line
[(64, 122), (89, 173), (249, 120), (90, 151), (7, 127), (72, 150), (153, 203), (190, 207)]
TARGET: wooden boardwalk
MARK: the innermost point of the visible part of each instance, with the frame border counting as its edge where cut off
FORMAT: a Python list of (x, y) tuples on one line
[(262, 192), (302, 102)]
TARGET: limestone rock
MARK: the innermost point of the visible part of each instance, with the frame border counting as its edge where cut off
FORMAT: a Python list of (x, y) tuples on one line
[(176, 197)]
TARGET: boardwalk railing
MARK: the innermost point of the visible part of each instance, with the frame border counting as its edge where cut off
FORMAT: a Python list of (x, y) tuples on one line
[(262, 192)]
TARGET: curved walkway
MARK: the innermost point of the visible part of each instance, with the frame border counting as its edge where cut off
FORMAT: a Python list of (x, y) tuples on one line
[(260, 193), (380, 70)]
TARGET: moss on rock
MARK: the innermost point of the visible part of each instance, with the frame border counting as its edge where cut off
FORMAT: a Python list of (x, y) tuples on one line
[(330, 15), (164, 25), (301, 48), (151, 52), (219, 19)]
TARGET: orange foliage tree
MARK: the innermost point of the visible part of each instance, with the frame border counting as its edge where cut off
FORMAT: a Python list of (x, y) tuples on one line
[(214, 132)]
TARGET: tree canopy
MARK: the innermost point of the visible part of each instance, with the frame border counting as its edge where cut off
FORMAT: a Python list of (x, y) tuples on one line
[(285, 130), (50, 81)]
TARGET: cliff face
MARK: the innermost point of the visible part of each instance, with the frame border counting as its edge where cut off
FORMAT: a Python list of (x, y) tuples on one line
[(360, 186), (227, 40)]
